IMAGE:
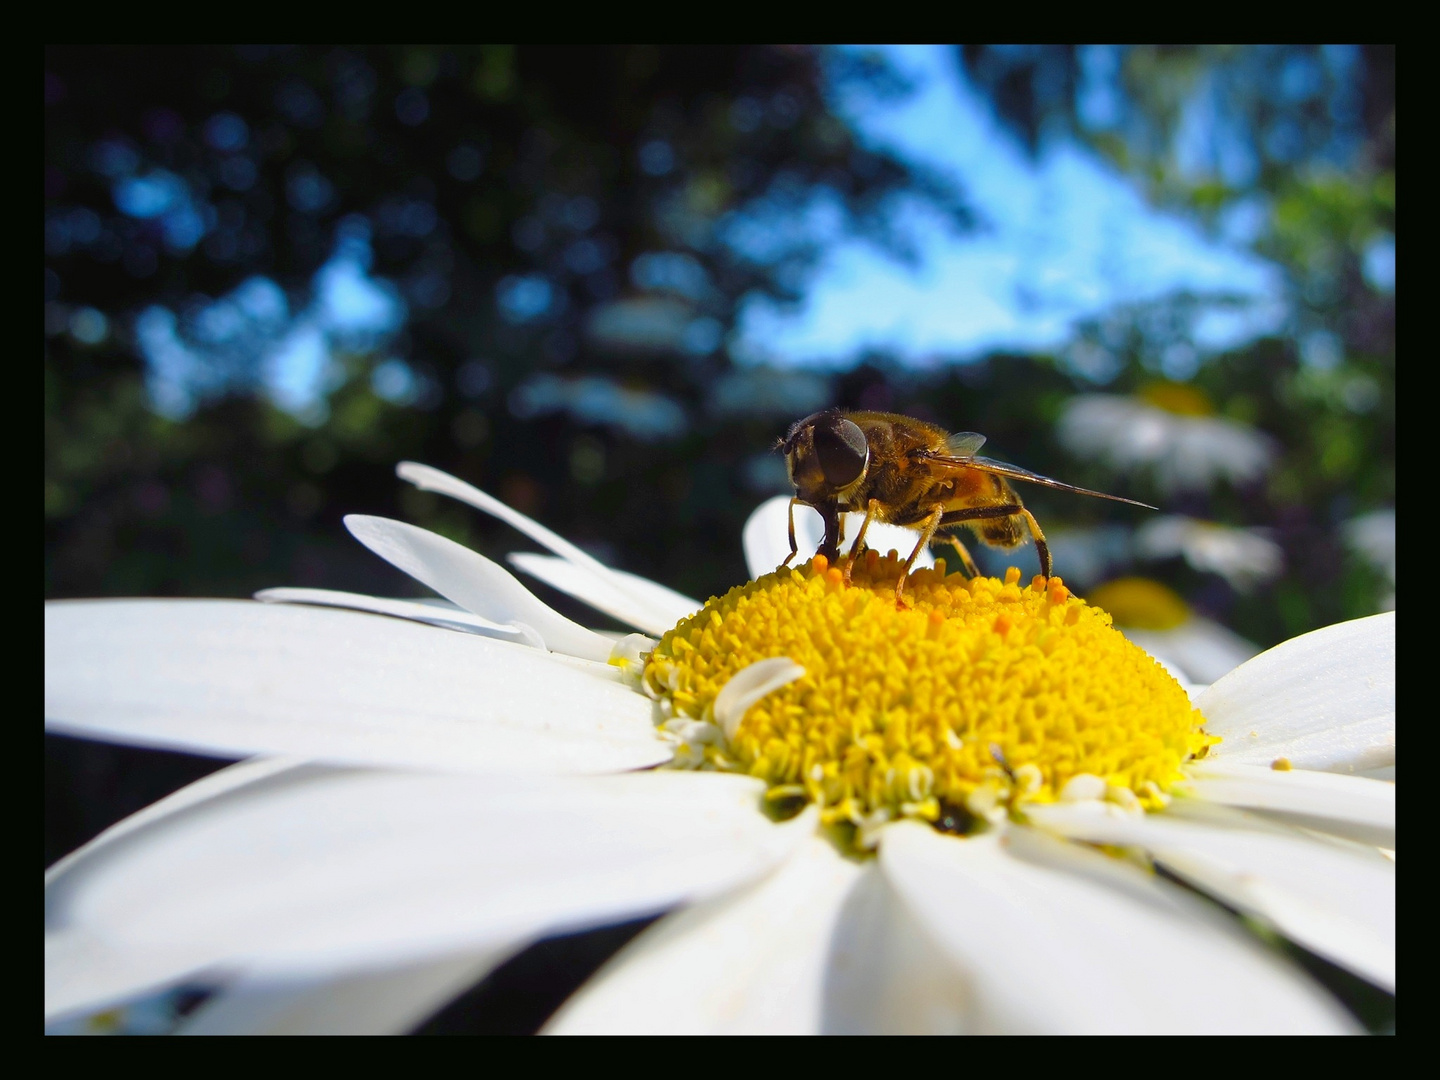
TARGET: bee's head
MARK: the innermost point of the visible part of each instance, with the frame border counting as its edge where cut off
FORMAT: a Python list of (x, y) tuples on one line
[(825, 453)]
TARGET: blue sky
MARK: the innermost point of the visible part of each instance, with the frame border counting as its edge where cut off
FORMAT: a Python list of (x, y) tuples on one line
[(251, 334), (1060, 239)]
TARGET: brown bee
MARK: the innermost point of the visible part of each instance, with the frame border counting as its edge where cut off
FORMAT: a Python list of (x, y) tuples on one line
[(908, 472)]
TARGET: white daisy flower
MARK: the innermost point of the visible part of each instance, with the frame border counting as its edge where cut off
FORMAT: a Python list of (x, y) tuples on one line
[(1167, 430), (895, 820), (1243, 557), (1372, 537)]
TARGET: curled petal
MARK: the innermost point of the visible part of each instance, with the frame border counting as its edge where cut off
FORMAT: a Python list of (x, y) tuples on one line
[(649, 606), (474, 582), (448, 616), (749, 685), (655, 617)]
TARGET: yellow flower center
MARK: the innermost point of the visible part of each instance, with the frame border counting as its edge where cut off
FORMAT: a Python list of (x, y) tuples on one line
[(975, 697)]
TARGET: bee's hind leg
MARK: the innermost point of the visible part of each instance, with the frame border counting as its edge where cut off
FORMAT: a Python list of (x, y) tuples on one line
[(1003, 533), (1041, 548), (856, 547), (966, 562)]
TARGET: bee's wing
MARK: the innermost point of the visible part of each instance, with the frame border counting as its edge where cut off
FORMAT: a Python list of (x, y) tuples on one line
[(964, 444), (1014, 472)]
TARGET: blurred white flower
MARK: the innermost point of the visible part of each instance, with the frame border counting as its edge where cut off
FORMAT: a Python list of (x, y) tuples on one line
[(1087, 554), (1372, 537), (1243, 557), (1169, 430)]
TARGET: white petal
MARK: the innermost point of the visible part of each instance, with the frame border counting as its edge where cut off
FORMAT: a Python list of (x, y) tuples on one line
[(221, 782), (1062, 939), (237, 678), (821, 945), (1353, 806), (448, 617), (665, 601), (389, 1002), (1335, 899), (473, 582), (753, 963), (766, 541), (748, 686), (885, 974), (602, 594), (320, 872), (1324, 700), (766, 537), (657, 601)]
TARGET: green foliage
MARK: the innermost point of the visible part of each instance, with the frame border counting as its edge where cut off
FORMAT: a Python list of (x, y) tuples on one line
[(567, 165)]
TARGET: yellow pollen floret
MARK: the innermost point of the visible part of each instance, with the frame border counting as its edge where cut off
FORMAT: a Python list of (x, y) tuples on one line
[(974, 698)]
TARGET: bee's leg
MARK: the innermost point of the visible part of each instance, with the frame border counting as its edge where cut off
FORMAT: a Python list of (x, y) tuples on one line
[(982, 513), (965, 560), (860, 536), (1041, 548), (834, 532), (794, 547), (931, 524)]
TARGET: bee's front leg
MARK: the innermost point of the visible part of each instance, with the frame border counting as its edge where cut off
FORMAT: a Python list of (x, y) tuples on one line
[(830, 546), (794, 547), (860, 536), (927, 533)]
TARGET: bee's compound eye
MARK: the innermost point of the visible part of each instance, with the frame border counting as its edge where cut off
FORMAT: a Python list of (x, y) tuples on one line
[(840, 446)]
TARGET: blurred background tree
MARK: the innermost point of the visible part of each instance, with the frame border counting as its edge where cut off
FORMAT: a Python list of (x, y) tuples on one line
[(1290, 150), (273, 272)]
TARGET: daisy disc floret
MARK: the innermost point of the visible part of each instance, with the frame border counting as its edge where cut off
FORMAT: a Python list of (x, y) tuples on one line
[(976, 697)]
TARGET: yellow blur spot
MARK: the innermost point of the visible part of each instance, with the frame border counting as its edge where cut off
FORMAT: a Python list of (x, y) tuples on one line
[(1141, 603), (1181, 399)]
